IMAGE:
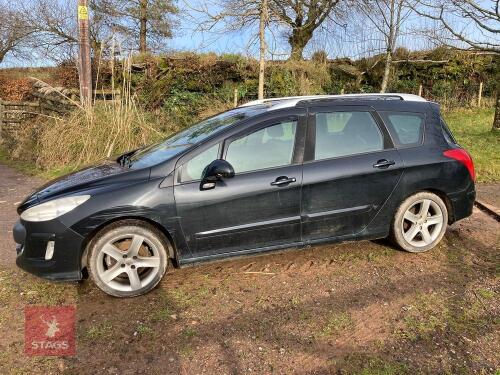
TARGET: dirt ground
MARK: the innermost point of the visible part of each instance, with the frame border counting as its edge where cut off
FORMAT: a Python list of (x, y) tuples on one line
[(353, 308), (489, 193)]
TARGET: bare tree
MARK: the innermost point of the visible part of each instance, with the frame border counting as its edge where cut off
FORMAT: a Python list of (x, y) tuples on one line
[(54, 27), (299, 18), (387, 16), (14, 32), (54, 24), (302, 18), (141, 22), (235, 16), (469, 25)]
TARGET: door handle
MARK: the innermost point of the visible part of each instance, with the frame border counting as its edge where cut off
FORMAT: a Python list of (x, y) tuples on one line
[(280, 181), (384, 163)]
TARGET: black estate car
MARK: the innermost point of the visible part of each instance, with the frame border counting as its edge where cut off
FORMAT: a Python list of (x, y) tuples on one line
[(268, 175)]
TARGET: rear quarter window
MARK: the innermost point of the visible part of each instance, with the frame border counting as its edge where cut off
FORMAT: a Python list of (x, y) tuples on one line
[(406, 128), (447, 133)]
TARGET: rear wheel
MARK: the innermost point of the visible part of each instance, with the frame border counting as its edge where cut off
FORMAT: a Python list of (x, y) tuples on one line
[(128, 258), (420, 222)]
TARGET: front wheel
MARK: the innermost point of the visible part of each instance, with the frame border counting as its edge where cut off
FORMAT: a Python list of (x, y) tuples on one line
[(420, 222), (128, 258)]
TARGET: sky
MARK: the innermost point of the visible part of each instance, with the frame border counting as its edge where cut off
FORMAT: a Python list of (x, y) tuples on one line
[(344, 38)]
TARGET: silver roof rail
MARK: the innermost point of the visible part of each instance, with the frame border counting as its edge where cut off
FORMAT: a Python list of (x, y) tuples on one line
[(291, 101)]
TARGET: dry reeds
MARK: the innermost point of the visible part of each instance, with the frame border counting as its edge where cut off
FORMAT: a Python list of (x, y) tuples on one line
[(90, 133)]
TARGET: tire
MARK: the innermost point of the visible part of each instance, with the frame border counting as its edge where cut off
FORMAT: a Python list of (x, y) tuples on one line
[(420, 222), (128, 258)]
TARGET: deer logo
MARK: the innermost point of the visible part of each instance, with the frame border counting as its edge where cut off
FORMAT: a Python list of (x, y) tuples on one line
[(52, 326)]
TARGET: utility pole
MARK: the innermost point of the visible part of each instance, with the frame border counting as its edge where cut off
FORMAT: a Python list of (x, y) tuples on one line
[(84, 65), (143, 25)]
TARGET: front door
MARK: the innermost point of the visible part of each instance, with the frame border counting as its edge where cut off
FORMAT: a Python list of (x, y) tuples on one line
[(351, 169), (259, 207)]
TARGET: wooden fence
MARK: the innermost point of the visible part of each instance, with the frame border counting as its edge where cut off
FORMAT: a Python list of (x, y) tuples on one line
[(14, 113), (50, 104)]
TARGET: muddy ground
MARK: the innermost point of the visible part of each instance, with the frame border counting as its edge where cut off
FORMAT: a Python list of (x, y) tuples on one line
[(360, 308)]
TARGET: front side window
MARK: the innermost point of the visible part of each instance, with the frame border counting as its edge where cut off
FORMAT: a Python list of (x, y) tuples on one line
[(266, 148), (193, 169), (406, 128), (346, 133), (185, 139)]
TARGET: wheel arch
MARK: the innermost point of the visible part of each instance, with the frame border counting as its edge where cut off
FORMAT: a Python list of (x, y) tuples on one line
[(447, 201), (440, 193), (172, 251)]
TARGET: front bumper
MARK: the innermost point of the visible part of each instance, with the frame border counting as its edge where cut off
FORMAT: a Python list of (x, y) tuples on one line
[(32, 238)]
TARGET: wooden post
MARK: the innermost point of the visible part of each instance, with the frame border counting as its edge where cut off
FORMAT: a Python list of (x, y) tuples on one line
[(342, 91), (480, 94), (420, 89), (85, 69), (235, 97)]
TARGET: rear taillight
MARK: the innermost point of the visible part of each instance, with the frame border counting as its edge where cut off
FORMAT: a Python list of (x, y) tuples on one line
[(462, 156)]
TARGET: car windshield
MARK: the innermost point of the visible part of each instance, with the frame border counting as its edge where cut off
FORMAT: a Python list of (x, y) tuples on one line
[(177, 143)]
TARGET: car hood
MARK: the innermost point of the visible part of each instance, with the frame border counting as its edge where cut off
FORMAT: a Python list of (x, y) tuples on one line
[(106, 173)]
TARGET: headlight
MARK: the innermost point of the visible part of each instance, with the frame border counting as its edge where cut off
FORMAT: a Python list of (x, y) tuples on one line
[(52, 209)]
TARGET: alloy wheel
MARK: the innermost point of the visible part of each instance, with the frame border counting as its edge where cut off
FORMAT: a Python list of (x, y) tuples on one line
[(128, 262), (422, 223)]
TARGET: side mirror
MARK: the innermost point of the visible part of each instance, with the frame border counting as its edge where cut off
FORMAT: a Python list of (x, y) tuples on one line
[(214, 172)]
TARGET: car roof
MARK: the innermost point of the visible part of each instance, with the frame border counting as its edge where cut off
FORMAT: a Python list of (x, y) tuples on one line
[(292, 101)]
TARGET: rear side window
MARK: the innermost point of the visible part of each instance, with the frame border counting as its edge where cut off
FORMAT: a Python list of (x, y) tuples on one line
[(346, 133), (406, 128)]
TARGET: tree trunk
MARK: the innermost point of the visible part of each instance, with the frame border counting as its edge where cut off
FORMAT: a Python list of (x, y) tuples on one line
[(298, 41), (262, 40), (143, 20), (387, 72), (391, 41)]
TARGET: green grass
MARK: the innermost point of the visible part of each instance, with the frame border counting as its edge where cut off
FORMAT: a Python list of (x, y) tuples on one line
[(31, 169), (336, 323), (103, 330), (189, 332), (428, 315), (366, 364), (472, 129), (23, 166), (435, 314), (381, 367), (486, 293), (144, 329)]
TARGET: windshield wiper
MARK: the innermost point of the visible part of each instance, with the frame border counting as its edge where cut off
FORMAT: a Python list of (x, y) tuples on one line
[(124, 160)]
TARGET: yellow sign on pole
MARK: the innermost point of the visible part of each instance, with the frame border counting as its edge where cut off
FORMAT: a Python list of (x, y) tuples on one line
[(83, 12)]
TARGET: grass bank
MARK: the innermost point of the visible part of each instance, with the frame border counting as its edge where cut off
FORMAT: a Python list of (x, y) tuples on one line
[(472, 128)]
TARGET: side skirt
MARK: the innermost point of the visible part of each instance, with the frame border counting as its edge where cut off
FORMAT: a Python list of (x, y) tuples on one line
[(188, 262)]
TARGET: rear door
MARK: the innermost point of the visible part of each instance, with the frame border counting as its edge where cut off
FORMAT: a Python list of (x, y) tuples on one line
[(351, 168), (260, 206)]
